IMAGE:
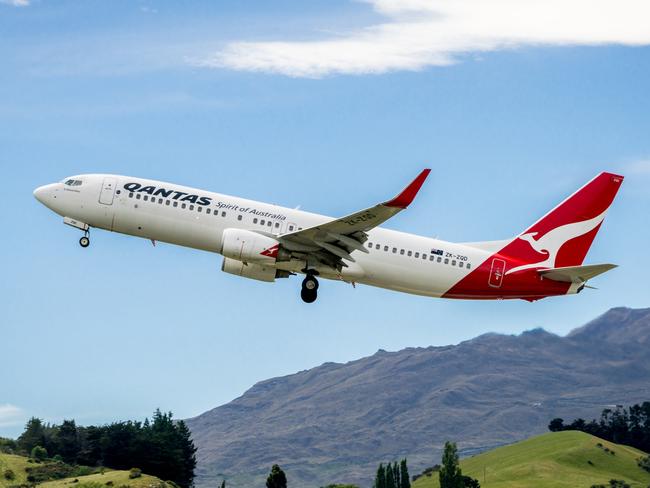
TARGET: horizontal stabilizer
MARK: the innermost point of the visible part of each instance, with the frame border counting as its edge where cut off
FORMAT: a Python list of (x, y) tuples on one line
[(575, 274)]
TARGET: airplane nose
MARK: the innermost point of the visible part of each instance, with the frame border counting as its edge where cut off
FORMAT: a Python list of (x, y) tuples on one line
[(40, 192)]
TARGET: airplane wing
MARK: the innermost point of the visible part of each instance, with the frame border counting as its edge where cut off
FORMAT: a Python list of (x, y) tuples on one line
[(332, 242), (575, 274)]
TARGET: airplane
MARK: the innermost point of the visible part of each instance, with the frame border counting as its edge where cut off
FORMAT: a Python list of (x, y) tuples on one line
[(266, 242)]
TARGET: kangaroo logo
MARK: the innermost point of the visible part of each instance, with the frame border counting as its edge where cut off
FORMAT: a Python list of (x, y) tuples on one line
[(551, 242)]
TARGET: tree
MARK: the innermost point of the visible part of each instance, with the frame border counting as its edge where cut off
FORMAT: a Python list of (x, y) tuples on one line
[(277, 478), (39, 453), (380, 477), (32, 436), (390, 477), (405, 481), (223, 484), (469, 482), (556, 425), (450, 473), (67, 441)]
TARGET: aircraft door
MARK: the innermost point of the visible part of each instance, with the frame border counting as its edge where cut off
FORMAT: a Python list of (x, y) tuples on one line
[(496, 273), (108, 191)]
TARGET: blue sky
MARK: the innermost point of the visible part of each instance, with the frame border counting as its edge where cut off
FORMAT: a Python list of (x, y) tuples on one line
[(346, 109)]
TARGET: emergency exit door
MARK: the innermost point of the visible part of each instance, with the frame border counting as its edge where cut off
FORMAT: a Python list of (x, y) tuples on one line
[(108, 191), (496, 273)]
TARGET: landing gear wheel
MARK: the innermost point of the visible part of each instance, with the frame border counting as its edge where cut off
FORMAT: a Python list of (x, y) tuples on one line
[(84, 241), (308, 296), (309, 291), (310, 283)]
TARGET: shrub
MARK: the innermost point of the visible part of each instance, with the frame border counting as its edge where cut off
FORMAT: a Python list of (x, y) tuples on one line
[(135, 473), (9, 475), (109, 483), (644, 463), (39, 453)]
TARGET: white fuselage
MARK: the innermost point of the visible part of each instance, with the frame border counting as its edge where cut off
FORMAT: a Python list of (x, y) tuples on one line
[(396, 260)]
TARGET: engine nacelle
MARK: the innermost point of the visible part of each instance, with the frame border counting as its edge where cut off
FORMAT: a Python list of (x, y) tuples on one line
[(251, 270), (249, 247)]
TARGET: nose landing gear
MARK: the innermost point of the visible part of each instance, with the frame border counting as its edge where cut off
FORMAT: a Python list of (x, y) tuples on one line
[(309, 291), (85, 240)]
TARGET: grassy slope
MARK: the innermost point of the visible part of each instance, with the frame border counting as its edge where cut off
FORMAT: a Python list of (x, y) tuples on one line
[(554, 460), (117, 477), (19, 463)]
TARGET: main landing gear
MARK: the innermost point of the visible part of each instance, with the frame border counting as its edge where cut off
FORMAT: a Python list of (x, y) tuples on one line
[(85, 240), (309, 291)]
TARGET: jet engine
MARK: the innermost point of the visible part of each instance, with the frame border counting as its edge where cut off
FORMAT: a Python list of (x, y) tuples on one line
[(251, 247), (251, 270)]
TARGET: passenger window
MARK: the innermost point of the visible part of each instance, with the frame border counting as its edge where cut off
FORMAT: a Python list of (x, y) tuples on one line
[(401, 251), (175, 204), (291, 227), (137, 197), (299, 228), (145, 198), (160, 200), (432, 257), (417, 254), (131, 195), (269, 223), (469, 266), (199, 209), (377, 246), (277, 224), (460, 264), (453, 262), (262, 222), (424, 256), (409, 253), (167, 202), (439, 259), (446, 260), (255, 220), (191, 207), (208, 211), (394, 250), (239, 217), (183, 205), (386, 248), (223, 214), (370, 245)]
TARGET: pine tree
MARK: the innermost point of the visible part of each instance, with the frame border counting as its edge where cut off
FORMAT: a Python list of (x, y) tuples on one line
[(188, 450), (277, 478), (396, 475), (390, 477), (380, 478), (450, 473), (405, 481), (223, 484), (33, 435), (67, 440)]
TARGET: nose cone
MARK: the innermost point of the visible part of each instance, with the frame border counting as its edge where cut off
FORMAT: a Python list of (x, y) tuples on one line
[(41, 193), (46, 194)]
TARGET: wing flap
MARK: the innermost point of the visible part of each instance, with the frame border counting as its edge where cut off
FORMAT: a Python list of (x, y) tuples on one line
[(575, 274)]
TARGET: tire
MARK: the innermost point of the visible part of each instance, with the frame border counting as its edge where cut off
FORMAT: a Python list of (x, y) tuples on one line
[(84, 242), (310, 283), (308, 296)]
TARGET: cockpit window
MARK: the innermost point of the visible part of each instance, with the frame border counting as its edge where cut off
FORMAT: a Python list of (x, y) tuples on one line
[(72, 182)]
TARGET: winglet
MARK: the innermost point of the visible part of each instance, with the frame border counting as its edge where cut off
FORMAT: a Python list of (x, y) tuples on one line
[(405, 198)]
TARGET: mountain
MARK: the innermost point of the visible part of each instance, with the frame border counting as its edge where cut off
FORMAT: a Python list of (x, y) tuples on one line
[(336, 422)]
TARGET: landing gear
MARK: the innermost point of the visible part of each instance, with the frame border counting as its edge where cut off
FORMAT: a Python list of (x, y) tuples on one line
[(85, 240), (309, 291)]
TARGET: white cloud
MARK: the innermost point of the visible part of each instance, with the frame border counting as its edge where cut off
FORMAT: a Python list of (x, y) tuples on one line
[(16, 3), (422, 33), (10, 415)]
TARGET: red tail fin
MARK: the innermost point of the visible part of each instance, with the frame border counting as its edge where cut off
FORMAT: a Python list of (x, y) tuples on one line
[(563, 236)]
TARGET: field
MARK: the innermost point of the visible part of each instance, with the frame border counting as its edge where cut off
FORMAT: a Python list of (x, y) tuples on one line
[(556, 460), (110, 478)]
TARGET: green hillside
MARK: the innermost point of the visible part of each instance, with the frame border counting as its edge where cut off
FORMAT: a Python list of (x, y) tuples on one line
[(110, 478), (554, 460), (17, 464)]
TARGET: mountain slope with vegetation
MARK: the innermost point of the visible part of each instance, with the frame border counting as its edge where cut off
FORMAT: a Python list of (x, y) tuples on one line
[(568, 459), (336, 422)]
